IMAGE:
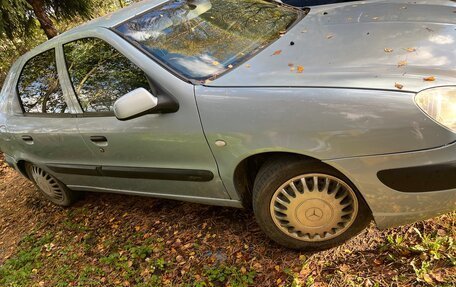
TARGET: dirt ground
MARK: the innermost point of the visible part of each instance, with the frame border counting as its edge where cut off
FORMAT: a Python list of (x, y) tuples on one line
[(115, 240)]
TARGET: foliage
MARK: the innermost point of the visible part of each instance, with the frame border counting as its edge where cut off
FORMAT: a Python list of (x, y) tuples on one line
[(15, 39), (19, 17)]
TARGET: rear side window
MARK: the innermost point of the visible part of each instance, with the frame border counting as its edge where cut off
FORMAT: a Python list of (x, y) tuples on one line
[(38, 86), (100, 74)]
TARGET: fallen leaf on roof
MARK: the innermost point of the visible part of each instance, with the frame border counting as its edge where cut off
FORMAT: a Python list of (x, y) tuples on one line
[(215, 63), (300, 69), (388, 50), (290, 64), (277, 52), (402, 63), (329, 36), (399, 86), (248, 66), (429, 79), (410, 50), (304, 31)]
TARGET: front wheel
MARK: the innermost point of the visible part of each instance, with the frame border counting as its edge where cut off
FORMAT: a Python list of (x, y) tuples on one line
[(307, 205), (50, 187)]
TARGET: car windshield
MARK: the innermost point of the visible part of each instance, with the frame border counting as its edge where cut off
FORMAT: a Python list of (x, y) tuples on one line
[(201, 39)]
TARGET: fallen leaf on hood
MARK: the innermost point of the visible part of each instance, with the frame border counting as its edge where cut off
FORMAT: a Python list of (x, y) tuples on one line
[(429, 79), (300, 69), (215, 63), (399, 86), (277, 53), (401, 63), (410, 50), (388, 50)]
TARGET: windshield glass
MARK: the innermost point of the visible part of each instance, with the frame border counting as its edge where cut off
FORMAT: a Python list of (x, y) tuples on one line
[(200, 39)]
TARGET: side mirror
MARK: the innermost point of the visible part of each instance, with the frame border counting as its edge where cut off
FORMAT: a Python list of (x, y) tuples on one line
[(134, 104)]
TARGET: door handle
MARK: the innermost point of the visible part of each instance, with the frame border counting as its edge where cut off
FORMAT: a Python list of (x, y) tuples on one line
[(99, 140), (28, 139)]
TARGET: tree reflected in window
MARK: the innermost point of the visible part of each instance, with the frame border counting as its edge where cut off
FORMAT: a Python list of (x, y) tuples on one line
[(39, 88), (100, 74), (203, 38)]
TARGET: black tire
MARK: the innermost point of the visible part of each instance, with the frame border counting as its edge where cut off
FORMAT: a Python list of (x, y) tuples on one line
[(276, 172), (62, 195)]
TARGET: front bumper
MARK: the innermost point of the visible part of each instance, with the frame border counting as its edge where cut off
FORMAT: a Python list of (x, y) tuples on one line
[(425, 180)]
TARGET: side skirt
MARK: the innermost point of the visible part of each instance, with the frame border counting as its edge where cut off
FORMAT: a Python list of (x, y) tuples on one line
[(195, 199)]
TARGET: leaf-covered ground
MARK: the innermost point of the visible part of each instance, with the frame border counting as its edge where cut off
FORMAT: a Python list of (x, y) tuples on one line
[(114, 240)]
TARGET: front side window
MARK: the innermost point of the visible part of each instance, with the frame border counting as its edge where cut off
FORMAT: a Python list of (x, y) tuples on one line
[(200, 39), (38, 86), (100, 74)]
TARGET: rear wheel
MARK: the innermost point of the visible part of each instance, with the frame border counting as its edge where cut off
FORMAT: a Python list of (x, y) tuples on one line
[(50, 187), (307, 205)]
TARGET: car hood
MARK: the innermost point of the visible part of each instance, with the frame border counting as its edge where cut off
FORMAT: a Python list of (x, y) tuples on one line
[(376, 44)]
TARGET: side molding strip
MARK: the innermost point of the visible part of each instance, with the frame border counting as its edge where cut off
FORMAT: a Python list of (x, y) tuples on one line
[(420, 178), (134, 172)]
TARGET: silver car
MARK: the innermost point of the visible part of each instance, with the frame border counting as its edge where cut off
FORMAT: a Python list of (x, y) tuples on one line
[(319, 119)]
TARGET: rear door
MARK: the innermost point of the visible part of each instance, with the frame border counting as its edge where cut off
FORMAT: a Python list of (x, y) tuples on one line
[(43, 122), (165, 155)]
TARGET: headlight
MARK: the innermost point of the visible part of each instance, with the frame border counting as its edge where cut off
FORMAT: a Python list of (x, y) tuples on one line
[(440, 105)]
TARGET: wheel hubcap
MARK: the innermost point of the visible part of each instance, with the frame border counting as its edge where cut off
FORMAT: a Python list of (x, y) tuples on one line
[(314, 207), (47, 183)]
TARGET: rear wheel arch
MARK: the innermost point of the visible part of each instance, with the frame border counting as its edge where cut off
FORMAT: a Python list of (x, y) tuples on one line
[(21, 165)]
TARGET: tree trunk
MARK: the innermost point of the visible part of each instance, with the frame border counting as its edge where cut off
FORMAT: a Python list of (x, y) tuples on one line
[(45, 22)]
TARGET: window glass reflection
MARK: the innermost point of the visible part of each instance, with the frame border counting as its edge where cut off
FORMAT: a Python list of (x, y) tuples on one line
[(38, 86), (100, 74), (203, 38)]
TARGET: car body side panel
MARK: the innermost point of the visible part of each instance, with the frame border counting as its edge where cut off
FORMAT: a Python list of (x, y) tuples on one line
[(6, 140), (316, 122)]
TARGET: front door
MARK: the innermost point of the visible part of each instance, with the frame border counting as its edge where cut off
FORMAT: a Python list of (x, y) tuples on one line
[(159, 154)]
